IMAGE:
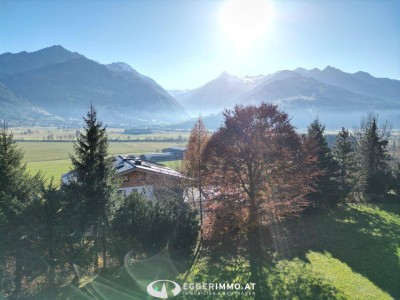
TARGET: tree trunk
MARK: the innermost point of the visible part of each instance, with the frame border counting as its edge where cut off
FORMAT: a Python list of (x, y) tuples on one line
[(51, 273), (254, 241), (255, 261), (2, 268), (18, 274), (104, 241), (95, 247)]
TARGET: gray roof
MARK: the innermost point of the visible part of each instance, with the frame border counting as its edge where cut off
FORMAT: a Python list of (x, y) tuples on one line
[(125, 165), (179, 148)]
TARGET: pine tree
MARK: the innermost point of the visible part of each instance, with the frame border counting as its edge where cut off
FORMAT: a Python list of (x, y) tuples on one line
[(372, 155), (50, 233), (395, 180), (343, 152), (95, 178), (17, 191), (326, 192)]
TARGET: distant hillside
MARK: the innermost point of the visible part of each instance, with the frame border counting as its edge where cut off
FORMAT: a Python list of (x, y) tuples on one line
[(16, 110), (66, 83), (57, 85), (217, 94), (338, 98), (11, 64), (296, 91), (360, 82)]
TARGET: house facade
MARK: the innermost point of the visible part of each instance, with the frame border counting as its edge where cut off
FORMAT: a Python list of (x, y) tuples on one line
[(137, 176), (142, 176)]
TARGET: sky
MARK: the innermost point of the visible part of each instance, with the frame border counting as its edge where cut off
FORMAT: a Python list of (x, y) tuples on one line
[(186, 43)]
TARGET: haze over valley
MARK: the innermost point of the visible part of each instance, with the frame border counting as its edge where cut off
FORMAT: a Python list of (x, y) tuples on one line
[(55, 86)]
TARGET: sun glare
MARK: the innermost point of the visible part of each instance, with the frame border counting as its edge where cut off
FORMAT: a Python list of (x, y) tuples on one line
[(245, 22)]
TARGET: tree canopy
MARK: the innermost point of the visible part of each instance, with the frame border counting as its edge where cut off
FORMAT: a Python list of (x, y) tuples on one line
[(258, 170)]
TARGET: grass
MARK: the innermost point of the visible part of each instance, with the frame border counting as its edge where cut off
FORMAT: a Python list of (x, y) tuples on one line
[(366, 238), (349, 283), (50, 169), (352, 252), (173, 164), (43, 133)]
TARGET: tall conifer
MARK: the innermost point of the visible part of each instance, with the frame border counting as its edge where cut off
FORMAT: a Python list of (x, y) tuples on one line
[(372, 155), (96, 179), (343, 151), (326, 192), (17, 191)]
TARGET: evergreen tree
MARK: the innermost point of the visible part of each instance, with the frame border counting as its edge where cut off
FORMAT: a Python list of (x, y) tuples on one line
[(326, 192), (148, 227), (343, 152), (51, 234), (395, 180), (95, 180), (17, 192), (372, 155)]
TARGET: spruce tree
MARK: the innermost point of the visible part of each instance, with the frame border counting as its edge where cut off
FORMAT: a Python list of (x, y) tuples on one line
[(17, 192), (51, 233), (343, 152), (372, 154), (395, 180), (95, 180), (326, 186)]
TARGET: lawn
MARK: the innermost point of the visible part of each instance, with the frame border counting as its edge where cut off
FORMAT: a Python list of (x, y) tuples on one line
[(365, 238), (352, 252)]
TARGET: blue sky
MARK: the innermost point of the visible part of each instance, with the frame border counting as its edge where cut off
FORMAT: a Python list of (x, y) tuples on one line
[(185, 43)]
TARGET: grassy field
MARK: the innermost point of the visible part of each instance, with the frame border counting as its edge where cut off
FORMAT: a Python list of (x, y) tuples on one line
[(53, 133), (52, 158), (353, 252)]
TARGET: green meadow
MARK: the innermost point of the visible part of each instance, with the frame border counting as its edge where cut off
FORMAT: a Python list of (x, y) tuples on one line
[(52, 158), (351, 252), (68, 134)]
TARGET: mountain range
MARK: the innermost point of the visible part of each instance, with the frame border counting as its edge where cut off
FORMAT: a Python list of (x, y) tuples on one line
[(54, 85), (62, 84), (336, 97)]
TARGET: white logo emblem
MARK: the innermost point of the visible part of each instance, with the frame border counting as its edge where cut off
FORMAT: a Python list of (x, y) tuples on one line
[(154, 290)]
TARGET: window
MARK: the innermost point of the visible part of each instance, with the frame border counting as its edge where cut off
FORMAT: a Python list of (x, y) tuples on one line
[(125, 178)]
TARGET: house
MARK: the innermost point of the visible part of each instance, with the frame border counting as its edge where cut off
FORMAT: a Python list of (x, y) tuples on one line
[(137, 176), (176, 152), (168, 154), (142, 176), (156, 157)]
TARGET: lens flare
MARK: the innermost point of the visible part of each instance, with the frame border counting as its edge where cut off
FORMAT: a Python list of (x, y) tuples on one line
[(245, 22)]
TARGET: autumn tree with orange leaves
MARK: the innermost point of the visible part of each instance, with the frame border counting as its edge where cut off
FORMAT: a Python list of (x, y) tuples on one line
[(258, 170), (193, 164)]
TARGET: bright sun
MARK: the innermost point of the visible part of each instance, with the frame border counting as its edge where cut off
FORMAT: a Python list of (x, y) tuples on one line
[(244, 22)]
